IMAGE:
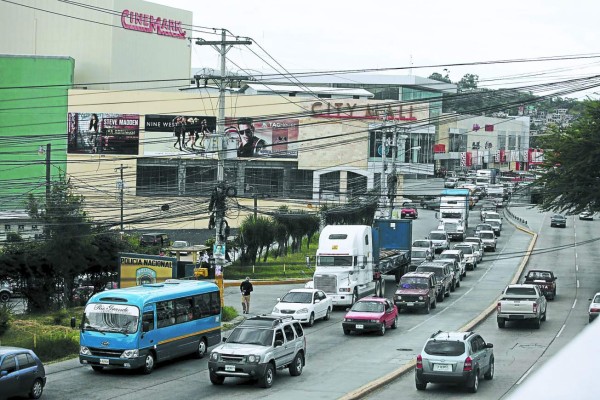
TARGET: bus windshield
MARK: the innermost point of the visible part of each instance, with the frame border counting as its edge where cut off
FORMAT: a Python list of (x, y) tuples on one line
[(111, 318)]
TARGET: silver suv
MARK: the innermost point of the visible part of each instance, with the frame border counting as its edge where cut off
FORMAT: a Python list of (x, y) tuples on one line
[(256, 348), (455, 357)]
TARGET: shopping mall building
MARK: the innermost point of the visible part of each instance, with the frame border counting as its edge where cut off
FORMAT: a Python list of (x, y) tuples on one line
[(103, 92)]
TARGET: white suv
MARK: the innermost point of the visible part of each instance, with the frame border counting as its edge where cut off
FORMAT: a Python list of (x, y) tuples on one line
[(458, 256), (440, 240), (488, 238)]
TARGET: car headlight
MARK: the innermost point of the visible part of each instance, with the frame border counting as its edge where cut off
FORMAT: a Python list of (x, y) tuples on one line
[(253, 359), (302, 311), (346, 319), (83, 350), (214, 356), (420, 297), (345, 289), (275, 310), (130, 353), (398, 297), (375, 321)]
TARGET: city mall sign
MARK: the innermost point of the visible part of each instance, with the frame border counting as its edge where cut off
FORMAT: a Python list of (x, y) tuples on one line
[(141, 22), (388, 111)]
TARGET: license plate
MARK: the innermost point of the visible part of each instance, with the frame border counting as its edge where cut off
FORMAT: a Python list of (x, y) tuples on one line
[(230, 368), (442, 367), (410, 304), (104, 361), (359, 326)]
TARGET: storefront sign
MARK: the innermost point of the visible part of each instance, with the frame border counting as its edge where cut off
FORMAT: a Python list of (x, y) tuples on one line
[(141, 22), (140, 269), (103, 133), (391, 112)]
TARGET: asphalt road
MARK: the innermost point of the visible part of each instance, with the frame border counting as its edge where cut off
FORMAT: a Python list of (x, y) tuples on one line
[(336, 364), (519, 349)]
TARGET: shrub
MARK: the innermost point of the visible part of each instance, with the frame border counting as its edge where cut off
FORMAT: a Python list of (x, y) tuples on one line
[(5, 317), (229, 313), (59, 316)]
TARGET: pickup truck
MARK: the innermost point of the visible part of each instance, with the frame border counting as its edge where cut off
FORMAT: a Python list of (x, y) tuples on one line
[(544, 279), (520, 302)]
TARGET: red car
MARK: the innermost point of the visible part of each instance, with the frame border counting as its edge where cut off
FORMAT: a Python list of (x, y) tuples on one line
[(371, 314), (409, 213)]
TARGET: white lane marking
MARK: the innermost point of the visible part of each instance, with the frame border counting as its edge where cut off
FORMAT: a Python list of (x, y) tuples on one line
[(575, 302), (433, 316), (561, 330), (524, 376), (577, 267), (575, 255), (578, 283)]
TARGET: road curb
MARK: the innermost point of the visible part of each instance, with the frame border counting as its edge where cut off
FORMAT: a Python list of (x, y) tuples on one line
[(384, 380)]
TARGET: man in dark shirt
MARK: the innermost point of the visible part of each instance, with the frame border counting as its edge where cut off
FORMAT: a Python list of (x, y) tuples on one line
[(246, 288)]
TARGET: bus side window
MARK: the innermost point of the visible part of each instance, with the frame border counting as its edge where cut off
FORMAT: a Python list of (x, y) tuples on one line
[(148, 317), (183, 309), (165, 313), (215, 303), (201, 306)]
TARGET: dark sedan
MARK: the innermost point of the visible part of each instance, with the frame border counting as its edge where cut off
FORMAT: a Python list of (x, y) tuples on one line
[(431, 204), (558, 221), (21, 373)]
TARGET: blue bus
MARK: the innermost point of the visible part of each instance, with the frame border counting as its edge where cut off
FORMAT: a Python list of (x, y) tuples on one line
[(139, 326)]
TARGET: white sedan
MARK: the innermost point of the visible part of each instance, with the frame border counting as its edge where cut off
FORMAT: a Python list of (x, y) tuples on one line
[(304, 305)]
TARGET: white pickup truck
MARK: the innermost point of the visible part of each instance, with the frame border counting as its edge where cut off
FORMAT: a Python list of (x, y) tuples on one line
[(521, 302)]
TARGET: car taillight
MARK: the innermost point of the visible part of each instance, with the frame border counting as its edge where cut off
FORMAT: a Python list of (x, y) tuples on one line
[(419, 362), (468, 366), (498, 307), (535, 306), (594, 309)]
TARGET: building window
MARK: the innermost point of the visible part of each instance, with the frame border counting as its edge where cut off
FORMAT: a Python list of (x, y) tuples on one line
[(7, 228), (21, 228), (34, 228)]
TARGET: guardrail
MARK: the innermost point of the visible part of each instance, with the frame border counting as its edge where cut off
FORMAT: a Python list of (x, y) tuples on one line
[(513, 216)]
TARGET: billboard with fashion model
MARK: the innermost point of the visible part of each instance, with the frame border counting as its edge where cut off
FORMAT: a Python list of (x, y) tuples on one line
[(276, 138), (178, 134), (103, 133)]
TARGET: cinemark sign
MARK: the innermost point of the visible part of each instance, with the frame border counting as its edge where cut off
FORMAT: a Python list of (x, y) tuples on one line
[(141, 22)]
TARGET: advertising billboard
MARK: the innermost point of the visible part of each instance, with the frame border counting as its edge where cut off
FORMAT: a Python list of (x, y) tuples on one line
[(177, 134), (140, 269), (103, 133), (277, 138)]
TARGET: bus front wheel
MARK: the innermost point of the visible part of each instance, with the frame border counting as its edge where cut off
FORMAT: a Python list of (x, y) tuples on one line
[(148, 363), (201, 351)]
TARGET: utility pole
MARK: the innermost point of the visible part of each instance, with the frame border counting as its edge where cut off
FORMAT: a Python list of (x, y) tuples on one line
[(394, 178), (222, 46), (120, 187), (48, 158)]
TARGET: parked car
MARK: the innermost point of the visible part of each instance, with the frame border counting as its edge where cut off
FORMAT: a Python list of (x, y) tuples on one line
[(455, 357), (444, 277), (304, 305), (587, 216), (440, 240), (256, 348), (179, 244), (416, 291), (558, 220), (544, 279), (6, 292), (21, 373), (371, 314), (409, 212), (425, 244), (594, 308)]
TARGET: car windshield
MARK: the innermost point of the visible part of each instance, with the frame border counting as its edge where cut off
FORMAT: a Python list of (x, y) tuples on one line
[(251, 335), (413, 283), (419, 253), (483, 227), (179, 244), (444, 348), (437, 271), (437, 236), (111, 318), (465, 249), (558, 216), (596, 299), (450, 256), (297, 297), (368, 306), (486, 235), (421, 243)]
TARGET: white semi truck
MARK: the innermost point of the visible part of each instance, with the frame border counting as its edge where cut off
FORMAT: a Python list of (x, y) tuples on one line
[(353, 259), (454, 212)]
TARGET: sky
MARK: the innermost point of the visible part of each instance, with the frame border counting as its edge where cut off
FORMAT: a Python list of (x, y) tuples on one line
[(330, 35)]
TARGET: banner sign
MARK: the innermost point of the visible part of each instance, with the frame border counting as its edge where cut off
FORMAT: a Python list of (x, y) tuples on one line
[(140, 269), (177, 134), (103, 133), (265, 138)]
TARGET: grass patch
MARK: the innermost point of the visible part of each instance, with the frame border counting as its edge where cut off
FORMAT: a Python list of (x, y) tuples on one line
[(49, 335)]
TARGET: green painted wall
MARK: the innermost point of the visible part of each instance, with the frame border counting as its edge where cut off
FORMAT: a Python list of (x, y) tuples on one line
[(33, 113)]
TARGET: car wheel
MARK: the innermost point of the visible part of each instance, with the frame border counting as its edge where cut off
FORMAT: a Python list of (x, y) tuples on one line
[(296, 365), (346, 331), (501, 323), (420, 385), (355, 296), (201, 351), (328, 314), (382, 329), (453, 286), (434, 305), (148, 363), (544, 315), (395, 324), (475, 384), (36, 389), (4, 297), (537, 323), (427, 308), (311, 319), (494, 249), (489, 375), (97, 368), (440, 297), (458, 283), (267, 379), (216, 379), (447, 292)]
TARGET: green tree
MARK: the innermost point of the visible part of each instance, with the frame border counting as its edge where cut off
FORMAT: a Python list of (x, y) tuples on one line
[(570, 179), (468, 82), (436, 76)]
